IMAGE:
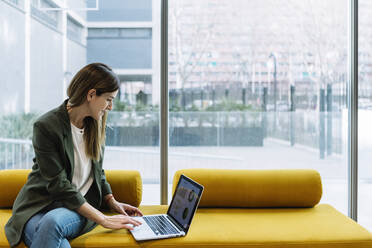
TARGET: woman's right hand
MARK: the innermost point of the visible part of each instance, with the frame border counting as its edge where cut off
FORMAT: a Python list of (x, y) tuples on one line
[(119, 221)]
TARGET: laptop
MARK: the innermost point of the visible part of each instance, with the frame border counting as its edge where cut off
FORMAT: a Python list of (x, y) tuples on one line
[(176, 222)]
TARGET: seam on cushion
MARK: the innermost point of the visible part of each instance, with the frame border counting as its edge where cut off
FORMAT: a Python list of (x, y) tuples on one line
[(244, 244), (90, 246), (320, 192), (100, 246), (271, 244), (139, 191)]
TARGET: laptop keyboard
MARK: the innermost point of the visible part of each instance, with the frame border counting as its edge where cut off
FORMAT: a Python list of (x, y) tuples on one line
[(160, 225)]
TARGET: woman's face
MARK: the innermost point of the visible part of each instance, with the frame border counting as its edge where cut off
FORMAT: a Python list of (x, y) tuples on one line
[(100, 104)]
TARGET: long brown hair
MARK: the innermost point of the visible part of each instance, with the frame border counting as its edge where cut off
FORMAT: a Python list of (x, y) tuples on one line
[(100, 77)]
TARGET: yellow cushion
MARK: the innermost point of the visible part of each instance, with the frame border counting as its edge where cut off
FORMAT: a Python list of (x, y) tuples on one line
[(318, 227), (256, 188), (4, 217), (126, 185), (11, 182)]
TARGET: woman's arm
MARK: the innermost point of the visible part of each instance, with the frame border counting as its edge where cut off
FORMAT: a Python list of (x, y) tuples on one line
[(112, 222), (121, 208), (105, 186), (109, 199)]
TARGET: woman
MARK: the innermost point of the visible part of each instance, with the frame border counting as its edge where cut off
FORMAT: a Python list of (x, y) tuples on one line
[(67, 185)]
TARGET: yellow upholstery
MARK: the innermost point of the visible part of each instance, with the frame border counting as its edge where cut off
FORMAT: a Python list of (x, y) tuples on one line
[(318, 227), (11, 182), (126, 185), (256, 188)]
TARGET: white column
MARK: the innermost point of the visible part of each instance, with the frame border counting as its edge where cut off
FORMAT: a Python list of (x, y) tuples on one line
[(156, 4), (64, 52), (27, 54)]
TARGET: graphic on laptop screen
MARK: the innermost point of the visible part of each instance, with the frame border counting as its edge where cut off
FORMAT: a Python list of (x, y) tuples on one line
[(184, 202)]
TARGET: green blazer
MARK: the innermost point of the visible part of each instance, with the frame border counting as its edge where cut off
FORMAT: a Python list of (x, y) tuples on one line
[(49, 182)]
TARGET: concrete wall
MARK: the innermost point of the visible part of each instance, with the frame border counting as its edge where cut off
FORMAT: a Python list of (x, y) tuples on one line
[(46, 61), (129, 49), (46, 67), (12, 57), (122, 11), (76, 58), (78, 4)]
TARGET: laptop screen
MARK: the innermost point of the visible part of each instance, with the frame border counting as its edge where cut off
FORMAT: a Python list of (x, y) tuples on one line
[(185, 201)]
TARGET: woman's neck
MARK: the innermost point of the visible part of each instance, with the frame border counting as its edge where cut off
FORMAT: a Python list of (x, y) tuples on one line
[(77, 115)]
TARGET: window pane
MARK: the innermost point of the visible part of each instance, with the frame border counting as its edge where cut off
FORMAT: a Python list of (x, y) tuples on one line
[(40, 54), (364, 115), (260, 85)]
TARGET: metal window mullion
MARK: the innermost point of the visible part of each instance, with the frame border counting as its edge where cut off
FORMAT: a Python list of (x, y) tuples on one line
[(353, 113), (64, 53), (164, 105)]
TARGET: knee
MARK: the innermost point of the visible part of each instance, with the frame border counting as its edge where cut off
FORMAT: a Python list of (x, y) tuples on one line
[(50, 223)]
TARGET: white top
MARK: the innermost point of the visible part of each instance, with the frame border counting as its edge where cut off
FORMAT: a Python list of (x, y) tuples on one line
[(83, 177)]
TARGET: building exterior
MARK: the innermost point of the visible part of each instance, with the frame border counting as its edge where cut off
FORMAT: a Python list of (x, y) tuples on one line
[(125, 34), (217, 49), (246, 46), (45, 42)]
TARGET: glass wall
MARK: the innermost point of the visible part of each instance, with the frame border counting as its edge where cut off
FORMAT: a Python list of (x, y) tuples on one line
[(264, 92), (43, 46), (252, 84), (364, 115)]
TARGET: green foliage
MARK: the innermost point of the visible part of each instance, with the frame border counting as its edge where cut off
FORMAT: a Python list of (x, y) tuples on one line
[(17, 125), (193, 108), (140, 107), (175, 108), (226, 105), (148, 115), (229, 105), (121, 106), (155, 108)]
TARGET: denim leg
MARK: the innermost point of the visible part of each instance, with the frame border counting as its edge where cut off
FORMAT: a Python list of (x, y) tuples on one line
[(53, 229), (30, 226)]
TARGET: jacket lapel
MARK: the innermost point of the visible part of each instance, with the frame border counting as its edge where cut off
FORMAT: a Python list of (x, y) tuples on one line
[(69, 147)]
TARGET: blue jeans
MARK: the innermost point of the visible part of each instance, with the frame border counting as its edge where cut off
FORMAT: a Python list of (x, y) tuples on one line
[(53, 229)]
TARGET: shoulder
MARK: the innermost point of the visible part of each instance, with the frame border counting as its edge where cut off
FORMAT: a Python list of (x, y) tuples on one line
[(51, 122)]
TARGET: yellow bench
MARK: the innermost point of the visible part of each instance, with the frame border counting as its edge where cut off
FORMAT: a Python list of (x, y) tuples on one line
[(239, 208)]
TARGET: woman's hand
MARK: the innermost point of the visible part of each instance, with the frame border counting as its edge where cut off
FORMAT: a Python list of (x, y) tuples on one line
[(112, 222), (119, 222), (122, 208)]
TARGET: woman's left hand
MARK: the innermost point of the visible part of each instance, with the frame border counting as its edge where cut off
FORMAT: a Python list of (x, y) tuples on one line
[(123, 208)]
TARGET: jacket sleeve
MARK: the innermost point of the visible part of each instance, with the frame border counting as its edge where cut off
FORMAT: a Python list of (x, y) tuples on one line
[(106, 188), (52, 166)]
